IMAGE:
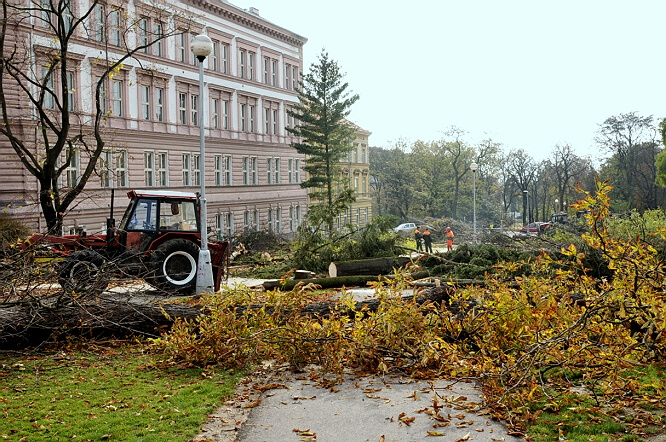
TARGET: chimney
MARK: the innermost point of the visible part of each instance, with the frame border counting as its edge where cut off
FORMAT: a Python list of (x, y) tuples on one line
[(253, 10)]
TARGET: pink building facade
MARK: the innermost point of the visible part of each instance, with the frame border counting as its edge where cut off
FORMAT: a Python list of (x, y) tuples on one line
[(152, 131)]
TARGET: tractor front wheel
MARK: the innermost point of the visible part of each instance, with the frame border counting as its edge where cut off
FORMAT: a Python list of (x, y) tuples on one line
[(82, 273), (174, 266)]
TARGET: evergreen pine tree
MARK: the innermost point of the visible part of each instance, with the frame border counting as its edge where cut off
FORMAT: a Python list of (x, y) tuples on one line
[(325, 138)]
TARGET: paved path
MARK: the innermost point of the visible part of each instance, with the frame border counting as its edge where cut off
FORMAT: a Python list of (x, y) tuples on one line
[(310, 407), (371, 409)]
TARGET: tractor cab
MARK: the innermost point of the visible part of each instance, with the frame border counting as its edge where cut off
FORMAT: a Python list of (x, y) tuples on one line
[(153, 216)]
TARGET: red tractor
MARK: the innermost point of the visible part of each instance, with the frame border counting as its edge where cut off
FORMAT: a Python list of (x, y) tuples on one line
[(158, 239)]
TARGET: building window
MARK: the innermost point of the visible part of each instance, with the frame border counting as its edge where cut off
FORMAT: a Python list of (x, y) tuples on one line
[(267, 62), (117, 97), (106, 168), (158, 31), (225, 115), (194, 101), (287, 76), (109, 178), (250, 65), (273, 170), (294, 78), (73, 170), (218, 170), (214, 65), (251, 219), (223, 170), (187, 169), (149, 168), (227, 171), (269, 171), (289, 121), (242, 54), (275, 121), (215, 113), (290, 171), (251, 117), (121, 168), (143, 39), (145, 102), (224, 58), (274, 73), (196, 158), (47, 82), (243, 108), (267, 122), (180, 48), (182, 107), (295, 218), (71, 87), (99, 20), (225, 225), (250, 173), (297, 170), (159, 104), (229, 224), (115, 27), (163, 169)]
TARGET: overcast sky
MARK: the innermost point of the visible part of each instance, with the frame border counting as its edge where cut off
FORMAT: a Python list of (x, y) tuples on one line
[(529, 74)]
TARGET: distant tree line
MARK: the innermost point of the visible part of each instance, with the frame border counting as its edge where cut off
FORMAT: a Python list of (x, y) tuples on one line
[(433, 179)]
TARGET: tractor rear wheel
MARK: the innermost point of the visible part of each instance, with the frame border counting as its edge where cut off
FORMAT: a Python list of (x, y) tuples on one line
[(82, 273), (174, 266)]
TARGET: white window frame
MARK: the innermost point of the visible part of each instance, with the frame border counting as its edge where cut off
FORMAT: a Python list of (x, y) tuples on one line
[(228, 175), (159, 104), (117, 101), (219, 170), (122, 175), (158, 33), (194, 109), (149, 168), (187, 168), (215, 113), (145, 101), (182, 107), (225, 114), (196, 169), (163, 168)]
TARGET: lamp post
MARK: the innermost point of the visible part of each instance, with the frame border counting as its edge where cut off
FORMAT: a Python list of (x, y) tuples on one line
[(201, 46), (526, 214), (557, 205), (473, 167)]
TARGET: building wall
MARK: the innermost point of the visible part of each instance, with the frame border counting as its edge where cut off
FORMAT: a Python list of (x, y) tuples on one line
[(357, 167), (151, 128)]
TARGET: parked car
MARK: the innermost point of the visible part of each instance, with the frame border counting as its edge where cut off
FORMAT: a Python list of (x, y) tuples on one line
[(405, 228), (535, 228)]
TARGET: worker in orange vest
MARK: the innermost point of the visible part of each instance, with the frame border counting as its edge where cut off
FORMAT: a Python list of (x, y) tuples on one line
[(418, 237), (427, 240), (449, 239)]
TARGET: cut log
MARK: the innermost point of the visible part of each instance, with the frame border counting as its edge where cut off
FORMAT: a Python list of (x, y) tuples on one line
[(376, 266)]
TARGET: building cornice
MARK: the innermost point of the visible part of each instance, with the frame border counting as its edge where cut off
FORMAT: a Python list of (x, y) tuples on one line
[(244, 18)]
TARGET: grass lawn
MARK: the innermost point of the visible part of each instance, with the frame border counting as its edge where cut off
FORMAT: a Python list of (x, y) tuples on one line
[(103, 393)]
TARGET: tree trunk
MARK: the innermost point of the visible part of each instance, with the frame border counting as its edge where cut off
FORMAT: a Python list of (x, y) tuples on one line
[(377, 266), (25, 326)]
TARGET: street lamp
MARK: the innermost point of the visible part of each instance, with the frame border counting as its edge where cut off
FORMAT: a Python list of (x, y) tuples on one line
[(473, 167), (557, 205), (526, 213), (201, 46)]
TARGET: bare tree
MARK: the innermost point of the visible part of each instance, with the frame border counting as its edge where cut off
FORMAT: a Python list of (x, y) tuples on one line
[(625, 137), (37, 58), (523, 172)]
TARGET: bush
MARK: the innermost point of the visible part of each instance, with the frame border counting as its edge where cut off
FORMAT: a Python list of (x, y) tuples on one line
[(11, 230)]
